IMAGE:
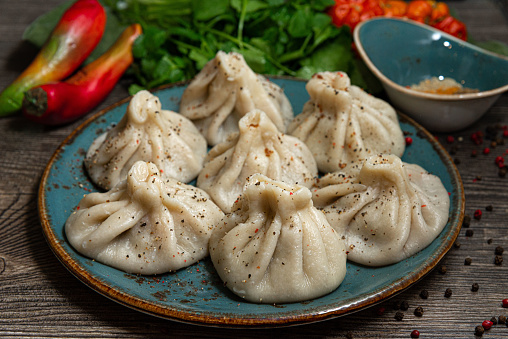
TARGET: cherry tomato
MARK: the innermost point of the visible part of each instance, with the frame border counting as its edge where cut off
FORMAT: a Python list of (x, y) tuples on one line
[(394, 8), (452, 26), (419, 10)]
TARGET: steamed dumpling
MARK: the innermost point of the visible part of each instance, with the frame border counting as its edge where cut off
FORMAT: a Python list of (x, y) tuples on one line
[(145, 224), (224, 91), (258, 148), (342, 125), (391, 211), (276, 247), (147, 133)]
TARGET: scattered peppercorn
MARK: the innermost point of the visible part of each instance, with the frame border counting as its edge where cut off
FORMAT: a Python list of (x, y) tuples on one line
[(489, 241), (424, 294), (478, 331), (505, 303), (469, 233), (493, 320), (498, 260), (478, 214), (415, 334), (478, 178), (442, 269), (404, 305), (501, 319), (489, 208), (475, 287), (468, 261), (502, 172), (450, 139), (486, 150), (448, 293), (349, 335), (457, 244), (467, 221), (419, 311), (487, 324), (399, 316), (409, 141), (499, 250)]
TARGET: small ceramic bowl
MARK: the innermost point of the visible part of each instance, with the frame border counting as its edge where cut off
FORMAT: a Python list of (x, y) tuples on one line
[(402, 53)]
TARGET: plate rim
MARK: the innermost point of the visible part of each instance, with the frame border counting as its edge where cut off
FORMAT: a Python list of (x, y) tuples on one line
[(150, 308)]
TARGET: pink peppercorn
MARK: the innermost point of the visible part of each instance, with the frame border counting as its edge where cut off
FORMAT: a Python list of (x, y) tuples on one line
[(505, 303), (409, 141), (487, 324), (450, 139), (415, 334), (486, 150), (478, 214), (505, 133)]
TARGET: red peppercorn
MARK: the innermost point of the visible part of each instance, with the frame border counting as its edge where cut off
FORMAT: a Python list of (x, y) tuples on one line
[(505, 303), (478, 214), (486, 150), (415, 334), (487, 324), (409, 141), (499, 159), (450, 139), (505, 133)]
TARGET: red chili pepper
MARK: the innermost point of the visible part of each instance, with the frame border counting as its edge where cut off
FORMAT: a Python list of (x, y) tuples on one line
[(453, 27), (62, 102), (73, 39)]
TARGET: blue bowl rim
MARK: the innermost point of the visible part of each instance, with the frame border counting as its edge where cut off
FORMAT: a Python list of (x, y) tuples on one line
[(414, 93)]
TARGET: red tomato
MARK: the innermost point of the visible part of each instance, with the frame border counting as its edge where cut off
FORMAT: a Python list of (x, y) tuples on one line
[(452, 26)]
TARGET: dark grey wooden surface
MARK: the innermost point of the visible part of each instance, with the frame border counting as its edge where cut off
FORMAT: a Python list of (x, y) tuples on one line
[(40, 298)]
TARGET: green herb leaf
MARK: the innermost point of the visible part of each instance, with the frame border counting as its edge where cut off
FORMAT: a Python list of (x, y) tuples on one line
[(206, 10)]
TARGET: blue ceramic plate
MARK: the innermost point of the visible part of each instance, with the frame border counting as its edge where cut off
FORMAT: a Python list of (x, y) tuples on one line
[(196, 294)]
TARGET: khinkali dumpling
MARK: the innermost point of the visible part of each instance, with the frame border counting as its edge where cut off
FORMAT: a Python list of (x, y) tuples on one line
[(224, 91), (147, 133), (259, 147), (145, 224), (389, 212), (343, 125), (276, 247)]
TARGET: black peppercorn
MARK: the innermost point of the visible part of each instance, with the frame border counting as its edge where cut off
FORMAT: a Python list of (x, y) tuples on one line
[(399, 316), (475, 287), (448, 293), (469, 233), (502, 172), (489, 241), (349, 335), (457, 244), (498, 260), (501, 319), (489, 208), (468, 261), (467, 221), (419, 311), (442, 269), (424, 294), (499, 250), (404, 305), (494, 320), (479, 330)]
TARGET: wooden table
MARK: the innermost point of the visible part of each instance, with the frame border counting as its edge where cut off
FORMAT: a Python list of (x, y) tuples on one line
[(40, 298)]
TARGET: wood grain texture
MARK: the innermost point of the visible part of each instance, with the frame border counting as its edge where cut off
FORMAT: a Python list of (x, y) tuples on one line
[(40, 298)]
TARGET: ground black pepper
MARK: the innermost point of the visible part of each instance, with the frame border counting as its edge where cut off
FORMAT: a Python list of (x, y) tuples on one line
[(475, 287), (424, 294), (479, 330), (499, 250), (404, 305), (498, 260), (468, 261), (399, 316), (448, 293), (469, 233), (419, 311)]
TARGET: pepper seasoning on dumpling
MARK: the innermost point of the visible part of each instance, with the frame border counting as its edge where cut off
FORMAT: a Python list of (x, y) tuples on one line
[(259, 147), (389, 212), (147, 133), (276, 247), (145, 224), (343, 125), (224, 91)]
